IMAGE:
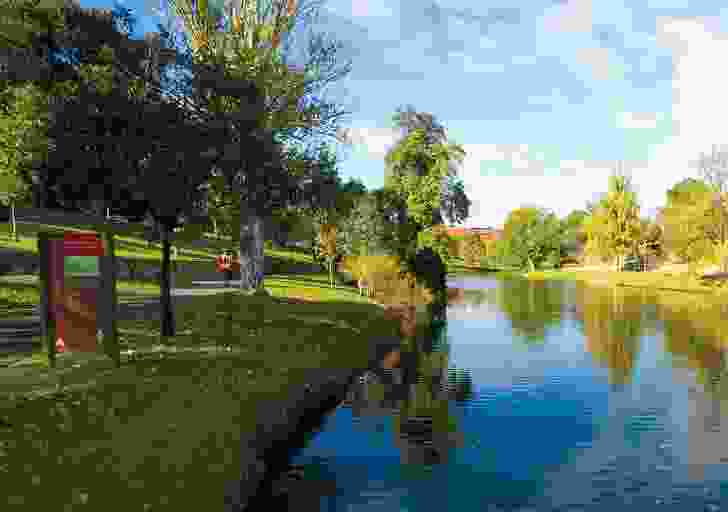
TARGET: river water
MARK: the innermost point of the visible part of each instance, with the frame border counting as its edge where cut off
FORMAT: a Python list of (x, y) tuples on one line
[(535, 396)]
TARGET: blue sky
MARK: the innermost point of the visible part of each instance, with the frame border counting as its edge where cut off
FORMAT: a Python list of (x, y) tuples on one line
[(544, 95)]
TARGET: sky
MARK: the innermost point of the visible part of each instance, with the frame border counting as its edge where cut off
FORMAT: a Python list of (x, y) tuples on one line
[(545, 96)]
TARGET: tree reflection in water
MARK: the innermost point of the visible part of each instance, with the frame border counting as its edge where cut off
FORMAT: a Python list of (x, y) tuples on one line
[(414, 386)]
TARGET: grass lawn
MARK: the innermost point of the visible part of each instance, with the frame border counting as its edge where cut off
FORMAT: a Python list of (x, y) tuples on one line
[(129, 245), (163, 431), (19, 293)]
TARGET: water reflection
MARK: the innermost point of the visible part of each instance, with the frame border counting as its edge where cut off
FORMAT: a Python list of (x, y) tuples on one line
[(415, 388), (612, 323), (622, 406), (531, 306)]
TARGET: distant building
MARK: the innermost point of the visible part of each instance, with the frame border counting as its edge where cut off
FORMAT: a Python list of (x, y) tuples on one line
[(487, 233)]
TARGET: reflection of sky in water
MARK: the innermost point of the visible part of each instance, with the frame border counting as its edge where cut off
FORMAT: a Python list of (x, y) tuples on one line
[(544, 426)]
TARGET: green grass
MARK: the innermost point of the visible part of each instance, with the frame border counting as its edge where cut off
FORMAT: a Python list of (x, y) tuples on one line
[(313, 287), (163, 431), (19, 293), (131, 245)]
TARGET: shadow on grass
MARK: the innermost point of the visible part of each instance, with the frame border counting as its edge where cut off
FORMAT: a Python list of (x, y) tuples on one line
[(164, 430)]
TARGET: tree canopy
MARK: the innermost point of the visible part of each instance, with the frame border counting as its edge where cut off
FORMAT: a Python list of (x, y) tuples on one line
[(534, 237)]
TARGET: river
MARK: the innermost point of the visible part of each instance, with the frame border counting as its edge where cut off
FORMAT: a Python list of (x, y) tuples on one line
[(535, 395)]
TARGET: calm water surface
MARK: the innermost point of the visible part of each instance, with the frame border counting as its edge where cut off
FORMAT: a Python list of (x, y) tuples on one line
[(537, 396)]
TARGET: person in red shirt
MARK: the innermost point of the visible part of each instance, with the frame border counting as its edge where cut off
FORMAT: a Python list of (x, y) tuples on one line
[(225, 264)]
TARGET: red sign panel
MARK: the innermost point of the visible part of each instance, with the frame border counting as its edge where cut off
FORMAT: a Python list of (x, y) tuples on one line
[(82, 244)]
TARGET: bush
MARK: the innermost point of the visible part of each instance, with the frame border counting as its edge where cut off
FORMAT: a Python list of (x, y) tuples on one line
[(473, 249), (382, 275)]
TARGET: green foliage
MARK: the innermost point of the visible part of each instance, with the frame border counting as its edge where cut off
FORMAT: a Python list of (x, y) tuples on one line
[(361, 233), (534, 237), (613, 227), (419, 169), (473, 249), (573, 235), (436, 238), (694, 226)]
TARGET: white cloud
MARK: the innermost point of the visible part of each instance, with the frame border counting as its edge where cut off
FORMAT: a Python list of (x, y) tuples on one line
[(597, 58), (494, 196), (375, 142), (572, 16), (699, 107), (638, 120)]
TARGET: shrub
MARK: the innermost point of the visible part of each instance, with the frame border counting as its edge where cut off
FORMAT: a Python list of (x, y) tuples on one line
[(473, 249), (455, 248), (382, 275)]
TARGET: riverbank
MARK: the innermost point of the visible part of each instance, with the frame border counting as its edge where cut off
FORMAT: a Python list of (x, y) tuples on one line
[(654, 280), (243, 375)]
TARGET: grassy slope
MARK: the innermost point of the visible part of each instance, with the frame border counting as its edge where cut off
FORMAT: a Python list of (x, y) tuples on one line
[(17, 293), (171, 414)]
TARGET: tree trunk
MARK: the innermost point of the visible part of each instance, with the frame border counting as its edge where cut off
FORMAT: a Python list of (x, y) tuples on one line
[(437, 217), (167, 328), (251, 249), (214, 227), (13, 222), (98, 207), (112, 340)]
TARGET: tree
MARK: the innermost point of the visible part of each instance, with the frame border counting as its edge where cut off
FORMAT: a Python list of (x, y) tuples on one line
[(612, 228), (21, 140), (421, 171), (573, 236), (244, 45), (418, 171), (694, 225), (362, 231), (327, 243), (517, 217), (713, 168), (473, 249), (650, 241), (117, 140), (535, 237)]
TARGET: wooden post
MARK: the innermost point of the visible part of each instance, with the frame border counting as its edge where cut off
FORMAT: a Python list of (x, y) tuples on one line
[(107, 322)]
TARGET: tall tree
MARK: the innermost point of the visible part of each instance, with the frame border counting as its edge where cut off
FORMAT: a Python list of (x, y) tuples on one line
[(452, 200), (362, 231), (240, 42), (21, 141), (613, 227)]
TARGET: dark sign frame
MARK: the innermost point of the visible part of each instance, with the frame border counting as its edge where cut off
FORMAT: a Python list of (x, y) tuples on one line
[(107, 302)]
